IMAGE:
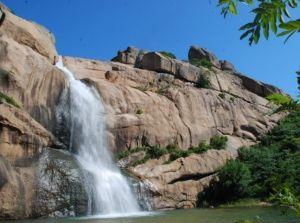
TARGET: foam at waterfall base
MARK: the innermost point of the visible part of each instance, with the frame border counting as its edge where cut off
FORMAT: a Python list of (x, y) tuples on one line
[(123, 215)]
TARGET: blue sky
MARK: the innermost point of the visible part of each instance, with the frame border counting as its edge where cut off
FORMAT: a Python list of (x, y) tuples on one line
[(97, 29)]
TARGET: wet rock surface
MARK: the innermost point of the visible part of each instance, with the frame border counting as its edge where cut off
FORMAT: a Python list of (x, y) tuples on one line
[(60, 186)]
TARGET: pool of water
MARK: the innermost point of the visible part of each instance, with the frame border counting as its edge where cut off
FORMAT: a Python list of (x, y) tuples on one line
[(217, 215)]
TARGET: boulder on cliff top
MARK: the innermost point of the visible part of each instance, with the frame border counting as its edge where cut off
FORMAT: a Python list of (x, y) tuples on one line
[(258, 87), (131, 55), (226, 65), (200, 53), (158, 62)]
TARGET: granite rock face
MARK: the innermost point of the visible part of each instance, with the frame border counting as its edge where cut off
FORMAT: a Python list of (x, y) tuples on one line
[(28, 34), (173, 111), (21, 140), (149, 99), (27, 53)]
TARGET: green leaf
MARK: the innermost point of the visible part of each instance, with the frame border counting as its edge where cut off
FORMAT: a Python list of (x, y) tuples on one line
[(221, 2), (249, 2), (273, 20), (283, 33), (286, 12), (266, 27), (289, 36), (232, 8), (248, 26), (291, 25), (245, 34), (256, 35)]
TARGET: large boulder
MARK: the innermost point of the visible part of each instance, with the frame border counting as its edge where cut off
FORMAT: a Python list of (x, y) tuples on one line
[(258, 87), (131, 56), (199, 53), (158, 62), (226, 65)]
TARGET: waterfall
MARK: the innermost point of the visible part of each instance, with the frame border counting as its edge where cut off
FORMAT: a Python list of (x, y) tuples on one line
[(108, 190)]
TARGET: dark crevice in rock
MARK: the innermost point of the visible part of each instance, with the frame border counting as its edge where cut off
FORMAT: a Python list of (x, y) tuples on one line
[(2, 16), (252, 129), (195, 177)]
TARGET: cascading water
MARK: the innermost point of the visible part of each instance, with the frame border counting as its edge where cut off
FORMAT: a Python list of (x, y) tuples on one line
[(108, 190)]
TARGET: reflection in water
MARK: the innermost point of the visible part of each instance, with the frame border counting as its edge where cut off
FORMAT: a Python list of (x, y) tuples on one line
[(218, 215)]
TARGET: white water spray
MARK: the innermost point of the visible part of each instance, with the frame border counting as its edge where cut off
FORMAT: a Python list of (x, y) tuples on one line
[(107, 188)]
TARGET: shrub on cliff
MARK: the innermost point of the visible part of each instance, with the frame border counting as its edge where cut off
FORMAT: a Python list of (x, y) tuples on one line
[(201, 63), (284, 102), (9, 100), (201, 148), (168, 54), (178, 154), (218, 142), (155, 152), (203, 82)]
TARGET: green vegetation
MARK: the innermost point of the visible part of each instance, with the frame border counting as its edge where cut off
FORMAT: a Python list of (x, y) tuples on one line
[(201, 63), (248, 221), (4, 76), (233, 184), (218, 142), (235, 177), (268, 15), (271, 166), (221, 95), (287, 200), (201, 148), (155, 152), (298, 80), (9, 100), (203, 82), (139, 111), (160, 89), (142, 88), (163, 89), (246, 202), (168, 54), (285, 102)]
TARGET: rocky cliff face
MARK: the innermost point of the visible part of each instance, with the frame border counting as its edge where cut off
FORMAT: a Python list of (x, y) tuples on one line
[(149, 99), (30, 88)]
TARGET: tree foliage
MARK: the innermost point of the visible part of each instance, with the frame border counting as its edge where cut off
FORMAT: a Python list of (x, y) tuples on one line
[(268, 15), (283, 101), (298, 80), (274, 165)]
